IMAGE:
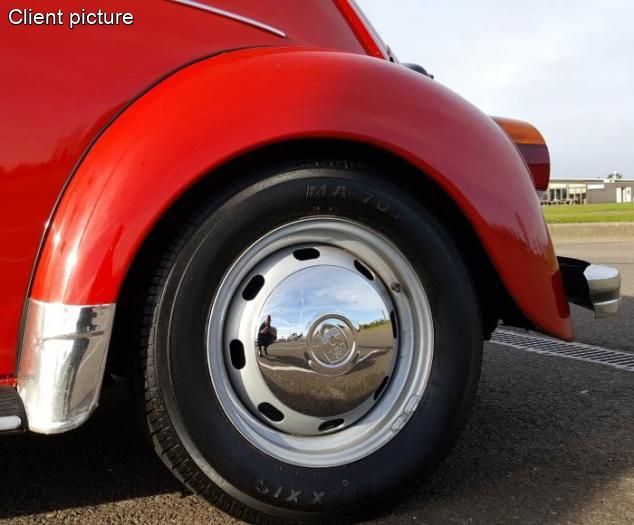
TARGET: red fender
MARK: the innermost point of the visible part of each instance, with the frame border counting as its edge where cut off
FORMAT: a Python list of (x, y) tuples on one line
[(221, 108)]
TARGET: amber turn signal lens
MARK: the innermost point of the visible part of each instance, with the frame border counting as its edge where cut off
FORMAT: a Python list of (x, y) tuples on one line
[(532, 147)]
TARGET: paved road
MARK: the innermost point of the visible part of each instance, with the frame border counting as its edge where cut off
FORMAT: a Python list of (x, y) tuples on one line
[(616, 332), (550, 441)]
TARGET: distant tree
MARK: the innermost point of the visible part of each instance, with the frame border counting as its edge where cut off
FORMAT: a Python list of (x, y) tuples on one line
[(615, 175)]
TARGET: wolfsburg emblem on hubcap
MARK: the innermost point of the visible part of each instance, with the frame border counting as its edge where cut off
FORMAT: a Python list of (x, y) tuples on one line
[(331, 344)]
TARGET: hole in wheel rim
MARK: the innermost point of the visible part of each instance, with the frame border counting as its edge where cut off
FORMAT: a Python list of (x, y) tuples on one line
[(270, 412), (236, 351), (394, 324), (329, 425), (253, 288), (363, 270), (306, 254), (381, 388)]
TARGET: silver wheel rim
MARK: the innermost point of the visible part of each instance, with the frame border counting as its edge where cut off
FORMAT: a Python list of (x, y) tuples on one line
[(354, 342)]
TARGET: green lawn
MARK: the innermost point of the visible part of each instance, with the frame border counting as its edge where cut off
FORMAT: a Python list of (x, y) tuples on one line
[(589, 213)]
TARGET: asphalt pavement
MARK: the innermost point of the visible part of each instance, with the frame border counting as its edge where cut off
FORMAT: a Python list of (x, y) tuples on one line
[(550, 441)]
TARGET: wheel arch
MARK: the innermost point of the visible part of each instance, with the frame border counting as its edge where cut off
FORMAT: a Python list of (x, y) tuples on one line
[(495, 302), (184, 130)]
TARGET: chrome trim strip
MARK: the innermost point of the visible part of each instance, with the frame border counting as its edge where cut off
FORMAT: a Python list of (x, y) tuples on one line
[(604, 285), (232, 16), (9, 423), (62, 364)]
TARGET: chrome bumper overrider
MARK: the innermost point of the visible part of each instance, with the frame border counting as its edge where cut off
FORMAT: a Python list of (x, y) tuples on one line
[(592, 286), (604, 287), (62, 363)]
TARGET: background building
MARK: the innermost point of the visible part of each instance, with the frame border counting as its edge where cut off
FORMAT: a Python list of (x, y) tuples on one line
[(588, 191)]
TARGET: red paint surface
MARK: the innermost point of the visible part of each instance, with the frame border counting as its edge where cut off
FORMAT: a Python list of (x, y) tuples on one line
[(7, 380), (217, 110), (60, 87)]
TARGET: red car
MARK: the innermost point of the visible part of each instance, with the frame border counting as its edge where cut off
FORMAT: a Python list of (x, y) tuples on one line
[(291, 245)]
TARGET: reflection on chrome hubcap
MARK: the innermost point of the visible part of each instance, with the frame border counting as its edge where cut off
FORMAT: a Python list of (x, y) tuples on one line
[(334, 343), (316, 357)]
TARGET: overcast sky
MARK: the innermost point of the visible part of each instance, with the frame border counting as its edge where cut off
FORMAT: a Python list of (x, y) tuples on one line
[(565, 66)]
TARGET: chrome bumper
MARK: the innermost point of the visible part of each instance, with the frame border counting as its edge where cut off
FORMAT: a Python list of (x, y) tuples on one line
[(604, 285), (592, 286), (63, 358)]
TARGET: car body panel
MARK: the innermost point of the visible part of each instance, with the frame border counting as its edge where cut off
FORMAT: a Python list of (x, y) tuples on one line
[(219, 109), (60, 88)]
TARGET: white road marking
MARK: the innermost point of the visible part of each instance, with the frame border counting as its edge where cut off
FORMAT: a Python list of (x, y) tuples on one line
[(553, 347)]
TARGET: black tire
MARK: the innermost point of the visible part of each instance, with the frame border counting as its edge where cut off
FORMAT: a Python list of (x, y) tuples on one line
[(189, 428)]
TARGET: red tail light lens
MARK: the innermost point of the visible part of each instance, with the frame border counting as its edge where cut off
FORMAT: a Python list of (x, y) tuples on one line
[(538, 160), (532, 147), (363, 29)]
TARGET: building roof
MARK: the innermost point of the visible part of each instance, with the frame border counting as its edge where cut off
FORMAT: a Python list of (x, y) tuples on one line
[(590, 181)]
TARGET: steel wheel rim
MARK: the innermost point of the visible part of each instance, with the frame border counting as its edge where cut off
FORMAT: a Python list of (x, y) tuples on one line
[(396, 284)]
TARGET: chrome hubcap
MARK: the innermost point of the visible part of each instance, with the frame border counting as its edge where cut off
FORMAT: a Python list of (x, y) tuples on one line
[(333, 345), (320, 342)]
